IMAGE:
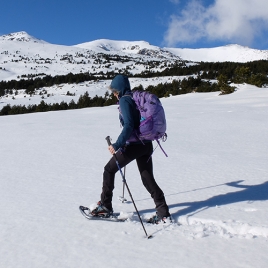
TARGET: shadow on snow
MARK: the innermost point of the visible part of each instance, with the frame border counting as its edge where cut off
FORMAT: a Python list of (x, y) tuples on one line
[(249, 193)]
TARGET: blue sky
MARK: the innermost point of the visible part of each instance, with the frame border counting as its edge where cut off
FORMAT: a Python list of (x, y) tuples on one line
[(172, 23)]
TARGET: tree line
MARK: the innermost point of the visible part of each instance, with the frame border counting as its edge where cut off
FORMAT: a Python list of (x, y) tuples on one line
[(198, 79), (176, 87), (30, 85), (211, 70), (252, 72), (84, 101)]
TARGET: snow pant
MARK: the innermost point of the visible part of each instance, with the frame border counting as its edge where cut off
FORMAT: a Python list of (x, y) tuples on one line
[(142, 153)]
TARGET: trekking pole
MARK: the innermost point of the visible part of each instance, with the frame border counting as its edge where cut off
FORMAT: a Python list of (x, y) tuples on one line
[(124, 180), (122, 198)]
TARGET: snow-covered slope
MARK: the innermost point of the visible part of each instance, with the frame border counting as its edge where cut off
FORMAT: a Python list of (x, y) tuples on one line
[(105, 45), (21, 37), (214, 180), (234, 53), (22, 55), (126, 47)]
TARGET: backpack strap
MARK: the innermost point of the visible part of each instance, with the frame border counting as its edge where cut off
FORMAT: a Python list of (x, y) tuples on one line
[(162, 148), (155, 149)]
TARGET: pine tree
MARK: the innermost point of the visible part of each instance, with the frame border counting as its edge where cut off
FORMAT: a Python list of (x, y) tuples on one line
[(224, 86)]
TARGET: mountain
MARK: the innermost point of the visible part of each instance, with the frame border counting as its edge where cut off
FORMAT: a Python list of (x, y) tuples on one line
[(127, 47), (21, 37), (234, 53), (22, 54)]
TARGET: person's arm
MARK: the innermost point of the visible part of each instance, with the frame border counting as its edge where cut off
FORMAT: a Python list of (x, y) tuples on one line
[(127, 110)]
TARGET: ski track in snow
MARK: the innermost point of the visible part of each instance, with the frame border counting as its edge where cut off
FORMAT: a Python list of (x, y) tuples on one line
[(199, 228), (195, 228)]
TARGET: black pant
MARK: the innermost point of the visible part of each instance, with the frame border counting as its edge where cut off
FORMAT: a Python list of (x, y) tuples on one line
[(142, 153)]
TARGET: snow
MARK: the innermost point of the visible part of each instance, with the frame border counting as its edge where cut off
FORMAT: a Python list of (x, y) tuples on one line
[(234, 53), (21, 37), (106, 45), (214, 180), (22, 54)]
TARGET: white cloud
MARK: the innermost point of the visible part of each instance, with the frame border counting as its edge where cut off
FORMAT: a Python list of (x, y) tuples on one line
[(225, 20)]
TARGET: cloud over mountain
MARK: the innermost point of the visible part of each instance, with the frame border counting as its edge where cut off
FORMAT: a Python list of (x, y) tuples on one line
[(240, 21)]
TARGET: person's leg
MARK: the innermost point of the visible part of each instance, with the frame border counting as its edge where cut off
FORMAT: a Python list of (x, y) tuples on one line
[(108, 177), (145, 166), (131, 152)]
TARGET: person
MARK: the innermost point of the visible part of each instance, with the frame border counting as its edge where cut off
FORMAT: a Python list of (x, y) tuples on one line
[(126, 151)]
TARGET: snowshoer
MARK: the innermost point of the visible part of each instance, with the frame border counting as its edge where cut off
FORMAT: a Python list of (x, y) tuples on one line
[(125, 151)]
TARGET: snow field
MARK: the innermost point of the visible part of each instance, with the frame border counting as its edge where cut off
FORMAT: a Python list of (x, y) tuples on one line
[(214, 180)]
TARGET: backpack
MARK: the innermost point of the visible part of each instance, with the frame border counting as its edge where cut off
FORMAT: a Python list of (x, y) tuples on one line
[(153, 121)]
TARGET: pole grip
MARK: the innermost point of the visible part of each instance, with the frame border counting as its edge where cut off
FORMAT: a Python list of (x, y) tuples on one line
[(108, 139)]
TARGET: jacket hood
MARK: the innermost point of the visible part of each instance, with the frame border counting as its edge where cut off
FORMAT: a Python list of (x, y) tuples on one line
[(121, 84)]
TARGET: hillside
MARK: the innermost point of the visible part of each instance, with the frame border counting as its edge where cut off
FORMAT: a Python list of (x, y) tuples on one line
[(35, 71), (23, 54), (214, 180), (233, 53)]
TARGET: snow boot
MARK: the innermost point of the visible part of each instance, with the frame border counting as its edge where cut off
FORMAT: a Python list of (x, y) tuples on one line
[(156, 219), (101, 211)]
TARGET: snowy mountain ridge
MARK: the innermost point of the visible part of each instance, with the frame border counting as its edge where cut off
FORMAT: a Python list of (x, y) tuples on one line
[(22, 54), (21, 37), (234, 52), (101, 45), (132, 47)]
